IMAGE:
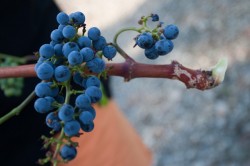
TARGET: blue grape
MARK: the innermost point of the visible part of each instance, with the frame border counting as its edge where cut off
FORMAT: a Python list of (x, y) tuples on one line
[(69, 47), (164, 46), (45, 71), (87, 54), (53, 121), (93, 81), (71, 128), (53, 43), (86, 117), (155, 17), (77, 78), (89, 109), (77, 18), (60, 99), (109, 52), (84, 41), (68, 152), (69, 32), (94, 93), (42, 105), (145, 40), (53, 90), (96, 65), (56, 35), (75, 58), (171, 32), (62, 73), (100, 43), (42, 89), (151, 53), (83, 101), (58, 50), (50, 100), (37, 65), (66, 112), (87, 127), (94, 33), (62, 18), (46, 51), (60, 27)]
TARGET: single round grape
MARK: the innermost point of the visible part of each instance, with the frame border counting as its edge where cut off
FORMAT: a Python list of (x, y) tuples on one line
[(86, 117), (94, 93), (109, 52), (171, 32), (42, 89), (71, 128), (42, 105), (75, 58), (164, 46), (69, 32), (83, 101), (66, 112), (68, 152), (94, 33), (93, 81), (77, 18), (56, 35), (45, 71), (151, 53), (69, 47), (77, 78), (46, 51), (87, 54), (62, 73), (96, 65), (155, 17), (89, 109), (145, 40), (84, 41), (53, 121), (100, 43), (62, 18), (87, 127), (50, 100), (58, 50)]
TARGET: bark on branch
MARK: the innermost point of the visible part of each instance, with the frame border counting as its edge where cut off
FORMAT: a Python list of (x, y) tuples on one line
[(198, 79)]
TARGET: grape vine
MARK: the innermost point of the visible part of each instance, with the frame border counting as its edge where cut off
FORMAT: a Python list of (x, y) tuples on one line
[(70, 68)]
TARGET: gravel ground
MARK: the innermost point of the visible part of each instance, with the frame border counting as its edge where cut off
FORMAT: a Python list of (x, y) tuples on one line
[(189, 127)]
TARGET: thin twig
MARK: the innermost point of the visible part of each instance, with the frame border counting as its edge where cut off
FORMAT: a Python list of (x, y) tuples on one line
[(16, 111)]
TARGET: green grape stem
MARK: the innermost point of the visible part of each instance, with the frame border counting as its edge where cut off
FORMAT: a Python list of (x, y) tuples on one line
[(58, 146), (118, 48), (16, 111)]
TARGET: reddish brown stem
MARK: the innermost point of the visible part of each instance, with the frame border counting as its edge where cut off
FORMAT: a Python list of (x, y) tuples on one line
[(199, 79)]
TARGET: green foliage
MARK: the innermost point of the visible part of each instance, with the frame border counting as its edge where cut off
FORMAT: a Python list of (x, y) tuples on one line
[(11, 86)]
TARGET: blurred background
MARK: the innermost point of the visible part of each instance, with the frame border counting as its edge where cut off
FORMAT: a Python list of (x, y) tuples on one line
[(184, 126)]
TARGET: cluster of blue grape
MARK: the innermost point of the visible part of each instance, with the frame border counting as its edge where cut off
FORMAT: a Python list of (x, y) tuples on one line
[(62, 63), (157, 42)]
